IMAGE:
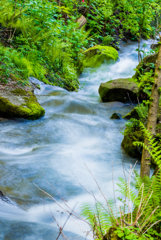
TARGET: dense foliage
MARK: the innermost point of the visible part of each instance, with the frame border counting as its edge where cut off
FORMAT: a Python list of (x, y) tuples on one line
[(43, 38)]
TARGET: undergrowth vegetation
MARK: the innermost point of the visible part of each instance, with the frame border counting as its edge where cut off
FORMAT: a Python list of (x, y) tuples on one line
[(43, 38), (134, 215)]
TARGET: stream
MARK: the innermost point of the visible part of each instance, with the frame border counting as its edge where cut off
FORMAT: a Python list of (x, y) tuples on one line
[(52, 151)]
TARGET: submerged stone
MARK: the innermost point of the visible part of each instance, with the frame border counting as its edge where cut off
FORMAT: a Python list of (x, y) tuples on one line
[(122, 90), (132, 114), (116, 116), (18, 101), (96, 55)]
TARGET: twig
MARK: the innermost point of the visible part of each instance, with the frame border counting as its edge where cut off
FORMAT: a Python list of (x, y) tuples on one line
[(120, 216), (151, 226), (149, 217), (58, 203), (98, 218), (103, 196), (72, 215), (129, 98), (96, 200), (61, 229), (114, 189), (76, 215), (125, 181)]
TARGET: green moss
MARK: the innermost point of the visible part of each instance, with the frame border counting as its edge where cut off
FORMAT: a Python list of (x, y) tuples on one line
[(127, 143), (15, 78), (29, 110), (36, 111), (116, 116), (111, 235), (132, 114), (121, 90), (96, 55), (107, 40), (132, 135), (19, 91)]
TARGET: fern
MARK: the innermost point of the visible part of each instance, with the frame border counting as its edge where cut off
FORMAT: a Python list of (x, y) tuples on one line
[(153, 148), (142, 111), (98, 217), (139, 210)]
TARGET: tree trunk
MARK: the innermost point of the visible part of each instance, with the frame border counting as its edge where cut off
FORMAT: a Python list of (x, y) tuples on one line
[(152, 116)]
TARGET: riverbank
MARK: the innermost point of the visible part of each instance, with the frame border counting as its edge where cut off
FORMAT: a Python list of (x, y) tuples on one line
[(48, 41)]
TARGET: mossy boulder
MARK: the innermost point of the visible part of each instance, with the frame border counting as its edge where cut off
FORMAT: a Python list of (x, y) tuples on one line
[(129, 138), (154, 46), (122, 90), (18, 101), (116, 116), (111, 235), (134, 114), (133, 134), (97, 55)]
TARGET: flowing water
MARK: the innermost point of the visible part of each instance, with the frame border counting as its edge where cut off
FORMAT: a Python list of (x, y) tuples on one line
[(76, 130)]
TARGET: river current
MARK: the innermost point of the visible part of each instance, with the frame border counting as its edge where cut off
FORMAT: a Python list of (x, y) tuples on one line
[(76, 130)]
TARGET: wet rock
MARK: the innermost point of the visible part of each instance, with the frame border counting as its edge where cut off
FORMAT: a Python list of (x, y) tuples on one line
[(154, 46), (129, 138), (111, 235), (133, 134), (132, 114), (122, 90), (151, 58), (4, 198), (2, 119), (116, 116), (17, 100), (96, 55)]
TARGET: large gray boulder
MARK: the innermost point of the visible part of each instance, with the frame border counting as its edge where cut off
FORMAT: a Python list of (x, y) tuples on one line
[(122, 90), (17, 100)]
